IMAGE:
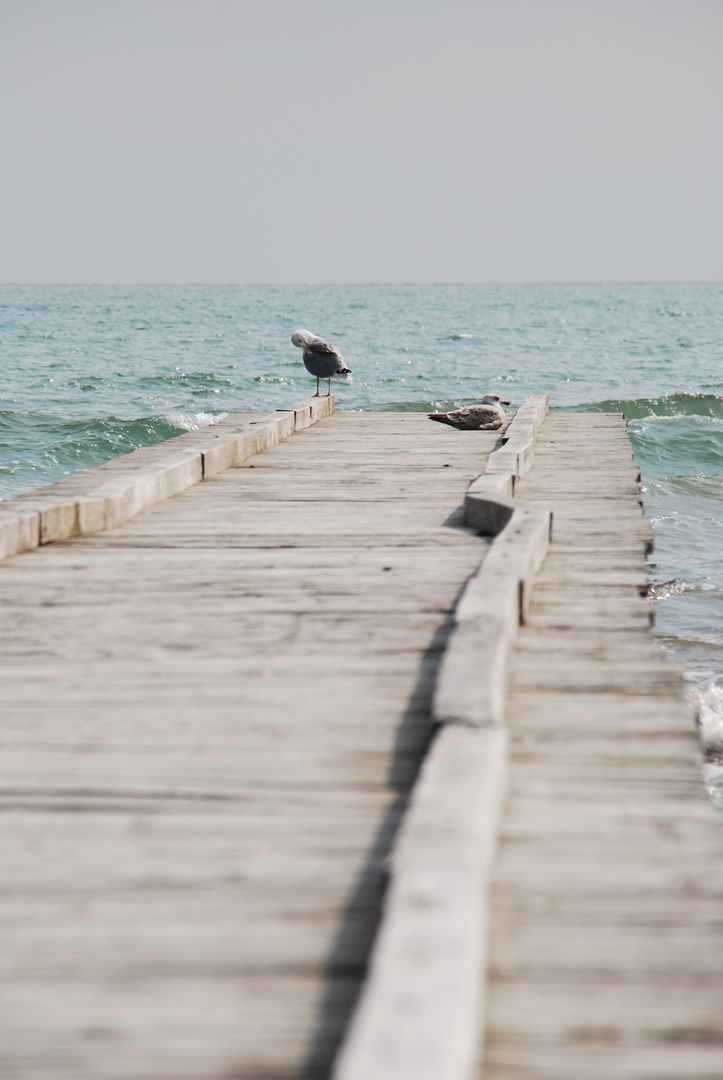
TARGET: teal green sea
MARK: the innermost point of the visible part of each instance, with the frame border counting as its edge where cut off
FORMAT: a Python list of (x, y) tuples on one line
[(94, 371)]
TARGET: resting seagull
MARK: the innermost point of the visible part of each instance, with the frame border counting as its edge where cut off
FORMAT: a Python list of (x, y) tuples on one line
[(487, 416), (320, 358)]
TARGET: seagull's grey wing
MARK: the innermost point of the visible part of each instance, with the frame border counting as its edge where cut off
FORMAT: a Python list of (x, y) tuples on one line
[(323, 348), (323, 364), (323, 360)]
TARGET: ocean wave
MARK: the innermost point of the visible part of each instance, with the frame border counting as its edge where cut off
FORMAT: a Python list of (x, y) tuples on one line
[(669, 405), (416, 406), (710, 719), (714, 782), (441, 405), (663, 589), (39, 447), (195, 382), (704, 489), (192, 421), (685, 446)]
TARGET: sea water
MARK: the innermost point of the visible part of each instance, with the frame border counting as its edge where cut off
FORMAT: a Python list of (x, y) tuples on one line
[(89, 372)]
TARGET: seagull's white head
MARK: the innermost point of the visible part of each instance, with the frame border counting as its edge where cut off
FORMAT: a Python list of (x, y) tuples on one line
[(302, 338), (493, 399)]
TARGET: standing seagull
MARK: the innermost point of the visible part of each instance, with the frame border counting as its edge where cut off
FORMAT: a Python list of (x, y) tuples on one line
[(320, 358), (487, 416)]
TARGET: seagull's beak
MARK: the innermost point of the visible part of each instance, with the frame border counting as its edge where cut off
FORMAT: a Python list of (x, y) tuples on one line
[(505, 402)]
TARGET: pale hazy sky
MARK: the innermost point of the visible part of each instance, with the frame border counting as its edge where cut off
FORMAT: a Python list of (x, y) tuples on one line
[(361, 140)]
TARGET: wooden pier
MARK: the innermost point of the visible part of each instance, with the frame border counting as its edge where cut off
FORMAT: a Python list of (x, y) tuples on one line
[(218, 686)]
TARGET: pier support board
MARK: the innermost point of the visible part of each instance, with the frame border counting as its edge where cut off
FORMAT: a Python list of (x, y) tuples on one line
[(607, 928)]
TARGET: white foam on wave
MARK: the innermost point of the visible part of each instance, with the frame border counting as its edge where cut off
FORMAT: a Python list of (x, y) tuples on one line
[(192, 421), (710, 718), (714, 782), (662, 590)]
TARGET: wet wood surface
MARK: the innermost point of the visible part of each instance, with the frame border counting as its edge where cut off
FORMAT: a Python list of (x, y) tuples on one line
[(607, 934), (211, 719)]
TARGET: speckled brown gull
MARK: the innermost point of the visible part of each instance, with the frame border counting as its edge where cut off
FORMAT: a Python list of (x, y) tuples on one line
[(487, 416)]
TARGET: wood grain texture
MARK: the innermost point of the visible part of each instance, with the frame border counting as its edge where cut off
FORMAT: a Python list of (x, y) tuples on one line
[(607, 934), (418, 1017), (212, 717)]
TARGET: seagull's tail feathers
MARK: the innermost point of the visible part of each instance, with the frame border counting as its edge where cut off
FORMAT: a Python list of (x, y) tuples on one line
[(344, 374), (440, 417)]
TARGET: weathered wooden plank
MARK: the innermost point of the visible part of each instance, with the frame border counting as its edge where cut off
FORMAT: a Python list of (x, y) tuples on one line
[(605, 938), (146, 1024)]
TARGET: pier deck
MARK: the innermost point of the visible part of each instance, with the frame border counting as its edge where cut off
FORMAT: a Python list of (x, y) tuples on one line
[(607, 924), (211, 720)]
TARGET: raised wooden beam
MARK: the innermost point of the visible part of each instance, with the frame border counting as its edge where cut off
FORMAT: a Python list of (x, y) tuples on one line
[(105, 497), (419, 1014)]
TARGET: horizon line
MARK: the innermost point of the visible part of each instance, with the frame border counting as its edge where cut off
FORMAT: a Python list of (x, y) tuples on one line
[(349, 284)]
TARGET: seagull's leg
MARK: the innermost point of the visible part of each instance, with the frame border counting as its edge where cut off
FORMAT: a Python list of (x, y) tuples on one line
[(317, 394), (328, 392)]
